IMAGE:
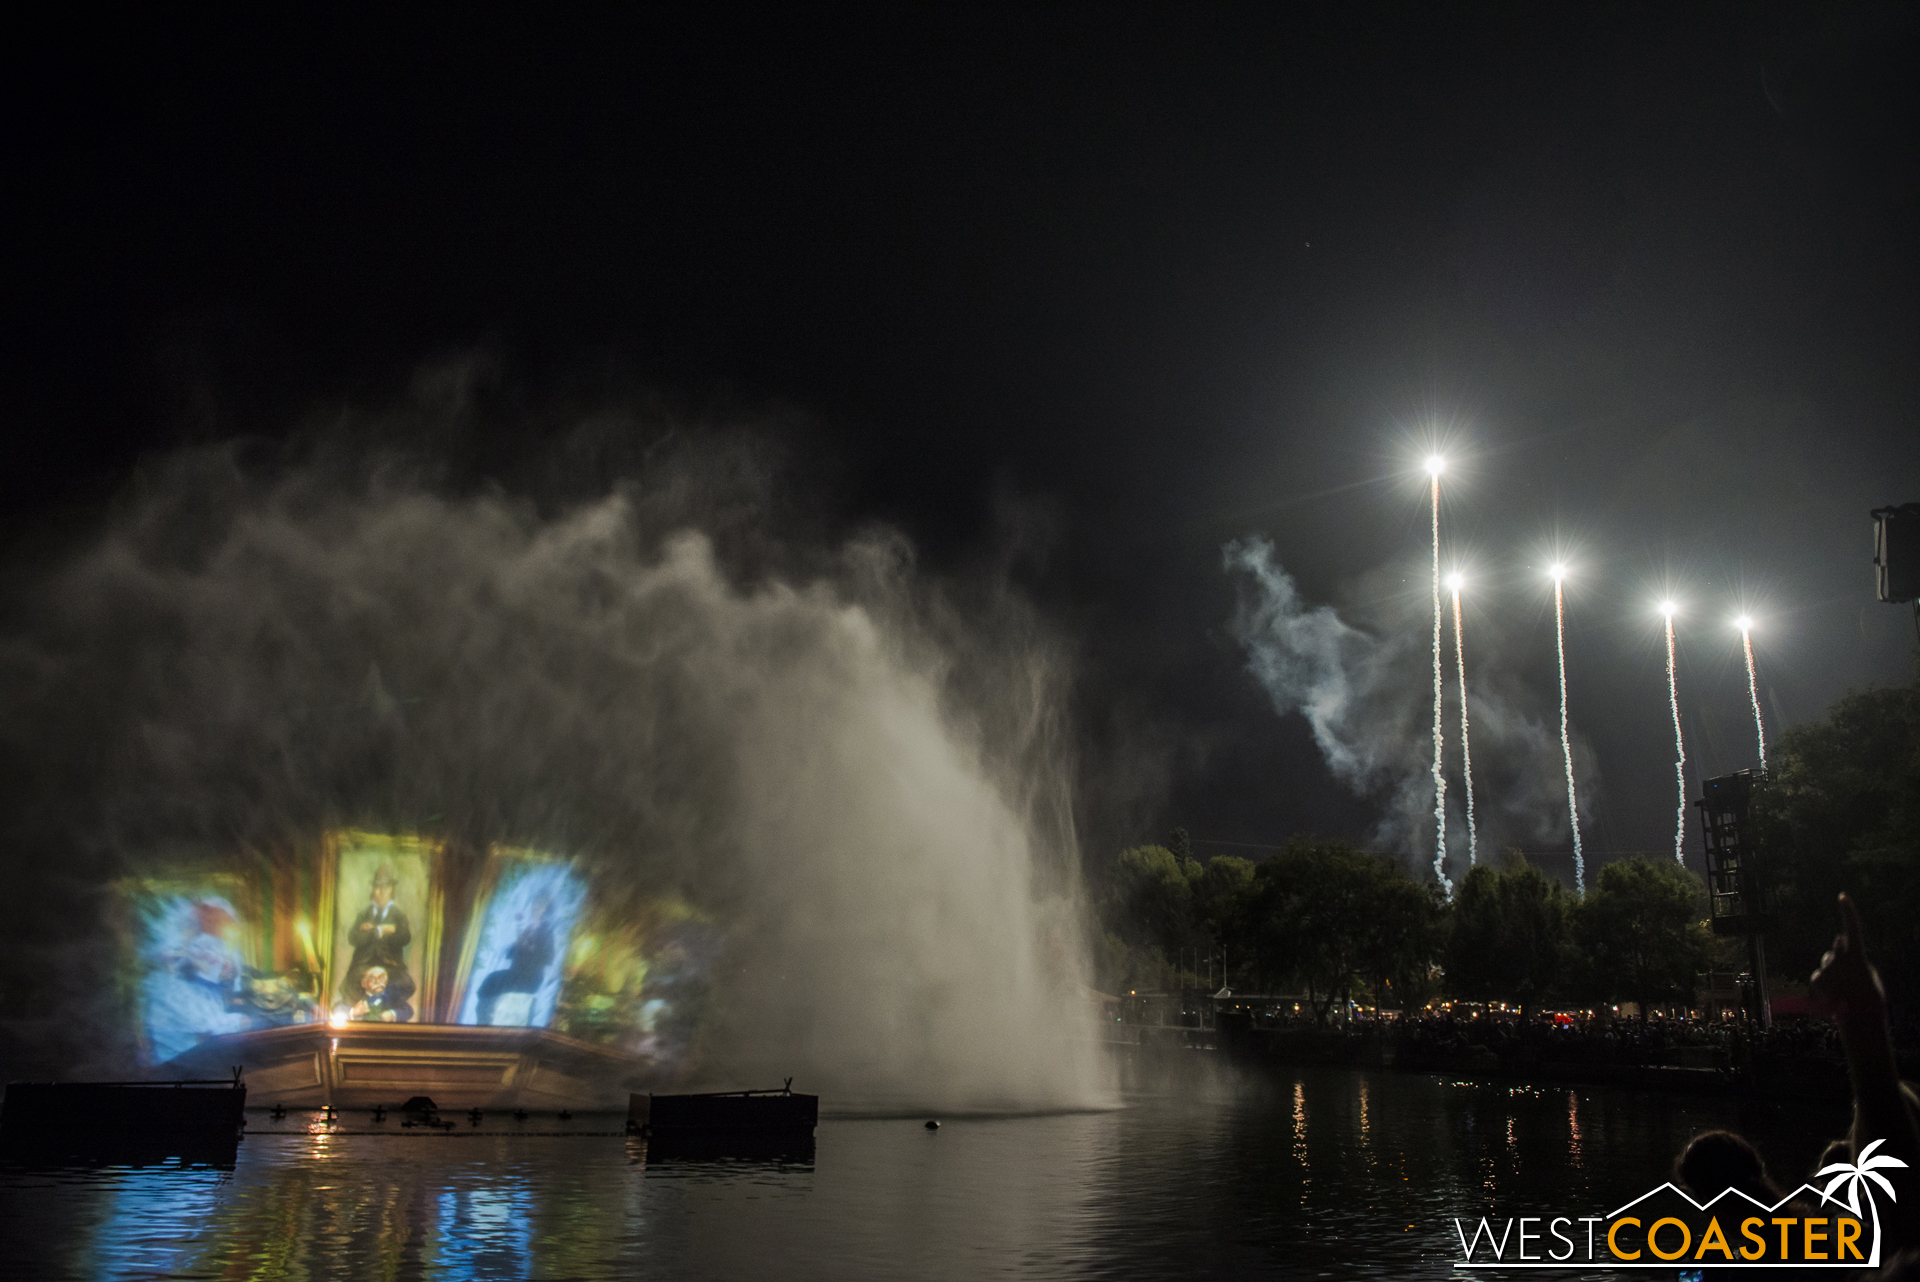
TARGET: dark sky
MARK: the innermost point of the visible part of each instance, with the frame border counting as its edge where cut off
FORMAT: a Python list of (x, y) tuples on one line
[(1161, 276)]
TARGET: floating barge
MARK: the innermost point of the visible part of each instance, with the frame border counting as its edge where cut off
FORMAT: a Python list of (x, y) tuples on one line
[(92, 1114), (779, 1114)]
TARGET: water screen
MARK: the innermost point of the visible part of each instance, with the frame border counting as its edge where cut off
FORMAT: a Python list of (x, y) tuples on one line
[(349, 931), (635, 976), (196, 946), (518, 940), (386, 932)]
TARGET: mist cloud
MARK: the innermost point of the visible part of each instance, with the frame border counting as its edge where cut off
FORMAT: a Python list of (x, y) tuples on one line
[(865, 782)]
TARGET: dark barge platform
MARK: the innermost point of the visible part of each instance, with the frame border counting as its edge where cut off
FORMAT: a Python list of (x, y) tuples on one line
[(778, 1112), (125, 1123)]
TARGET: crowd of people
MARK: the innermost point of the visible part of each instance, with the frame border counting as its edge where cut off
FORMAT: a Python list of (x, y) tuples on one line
[(1886, 1110), (1675, 1038), (1659, 1039)]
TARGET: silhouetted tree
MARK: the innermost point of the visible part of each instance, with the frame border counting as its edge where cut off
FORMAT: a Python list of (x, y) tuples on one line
[(1405, 930), (1330, 916), (1639, 933), (1840, 810), (1153, 897), (1181, 845), (1509, 936), (1222, 896)]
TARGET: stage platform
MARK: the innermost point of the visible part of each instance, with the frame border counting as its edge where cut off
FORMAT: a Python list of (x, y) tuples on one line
[(460, 1067)]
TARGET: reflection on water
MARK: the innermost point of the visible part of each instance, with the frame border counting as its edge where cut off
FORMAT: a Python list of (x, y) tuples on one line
[(723, 1154), (1309, 1174)]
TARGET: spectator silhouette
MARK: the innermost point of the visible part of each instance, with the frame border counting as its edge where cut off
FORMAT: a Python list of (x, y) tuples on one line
[(1720, 1160)]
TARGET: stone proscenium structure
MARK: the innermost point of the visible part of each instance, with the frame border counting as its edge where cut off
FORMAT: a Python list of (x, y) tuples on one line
[(365, 968), (360, 1065)]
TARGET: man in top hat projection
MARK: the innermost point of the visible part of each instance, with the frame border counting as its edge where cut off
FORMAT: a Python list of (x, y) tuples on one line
[(380, 936)]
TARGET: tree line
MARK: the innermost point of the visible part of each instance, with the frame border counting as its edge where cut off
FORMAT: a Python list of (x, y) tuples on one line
[(1840, 810), (1337, 924)]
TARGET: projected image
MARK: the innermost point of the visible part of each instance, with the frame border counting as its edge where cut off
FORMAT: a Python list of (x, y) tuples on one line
[(195, 942), (635, 975), (386, 928), (523, 924)]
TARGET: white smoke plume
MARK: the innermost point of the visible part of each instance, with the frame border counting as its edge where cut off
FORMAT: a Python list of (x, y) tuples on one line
[(1364, 691), (865, 783)]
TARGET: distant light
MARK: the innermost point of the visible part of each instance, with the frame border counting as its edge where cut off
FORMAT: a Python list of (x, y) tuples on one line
[(1456, 581), (1744, 623), (1669, 609), (1557, 571), (1435, 465)]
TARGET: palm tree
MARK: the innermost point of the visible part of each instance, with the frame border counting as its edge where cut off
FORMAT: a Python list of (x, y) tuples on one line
[(1856, 1175)]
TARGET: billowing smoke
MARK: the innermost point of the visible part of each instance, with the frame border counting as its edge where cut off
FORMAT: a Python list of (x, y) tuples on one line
[(863, 782), (1366, 695)]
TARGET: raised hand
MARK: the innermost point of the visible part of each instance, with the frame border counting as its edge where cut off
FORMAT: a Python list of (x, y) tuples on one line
[(1846, 982)]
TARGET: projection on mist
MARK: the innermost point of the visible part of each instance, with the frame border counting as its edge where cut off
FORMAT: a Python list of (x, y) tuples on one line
[(373, 928), (523, 924)]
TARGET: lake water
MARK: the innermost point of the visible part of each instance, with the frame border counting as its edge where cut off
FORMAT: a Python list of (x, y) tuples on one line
[(1289, 1174)]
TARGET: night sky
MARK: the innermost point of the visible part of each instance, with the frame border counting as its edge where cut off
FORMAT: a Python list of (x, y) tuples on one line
[(1088, 291)]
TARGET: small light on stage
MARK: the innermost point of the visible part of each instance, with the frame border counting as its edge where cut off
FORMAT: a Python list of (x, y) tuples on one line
[(1435, 465), (339, 1019)]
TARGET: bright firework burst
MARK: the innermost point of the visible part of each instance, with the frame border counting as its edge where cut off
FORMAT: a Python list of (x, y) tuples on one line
[(1455, 582), (1435, 466), (1559, 573), (1668, 609), (1745, 624)]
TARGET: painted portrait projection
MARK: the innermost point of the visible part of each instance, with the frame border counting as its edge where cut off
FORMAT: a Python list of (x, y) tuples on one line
[(386, 928), (518, 939), (348, 930), (636, 976), (197, 946)]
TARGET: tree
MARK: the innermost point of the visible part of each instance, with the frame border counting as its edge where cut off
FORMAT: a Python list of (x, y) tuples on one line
[(1161, 905), (1403, 937), (1222, 895), (1639, 933), (1840, 810), (1331, 916), (1181, 844), (1153, 898), (1509, 936)]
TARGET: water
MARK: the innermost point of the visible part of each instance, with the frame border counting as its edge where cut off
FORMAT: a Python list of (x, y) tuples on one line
[(1297, 1174)]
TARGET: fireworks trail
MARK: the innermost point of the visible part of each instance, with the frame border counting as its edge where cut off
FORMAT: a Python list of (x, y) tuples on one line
[(1679, 746), (1435, 466), (1454, 581), (1745, 625), (1559, 573)]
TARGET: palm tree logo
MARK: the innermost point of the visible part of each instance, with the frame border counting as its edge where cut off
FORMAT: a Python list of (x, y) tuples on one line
[(1855, 1176)]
